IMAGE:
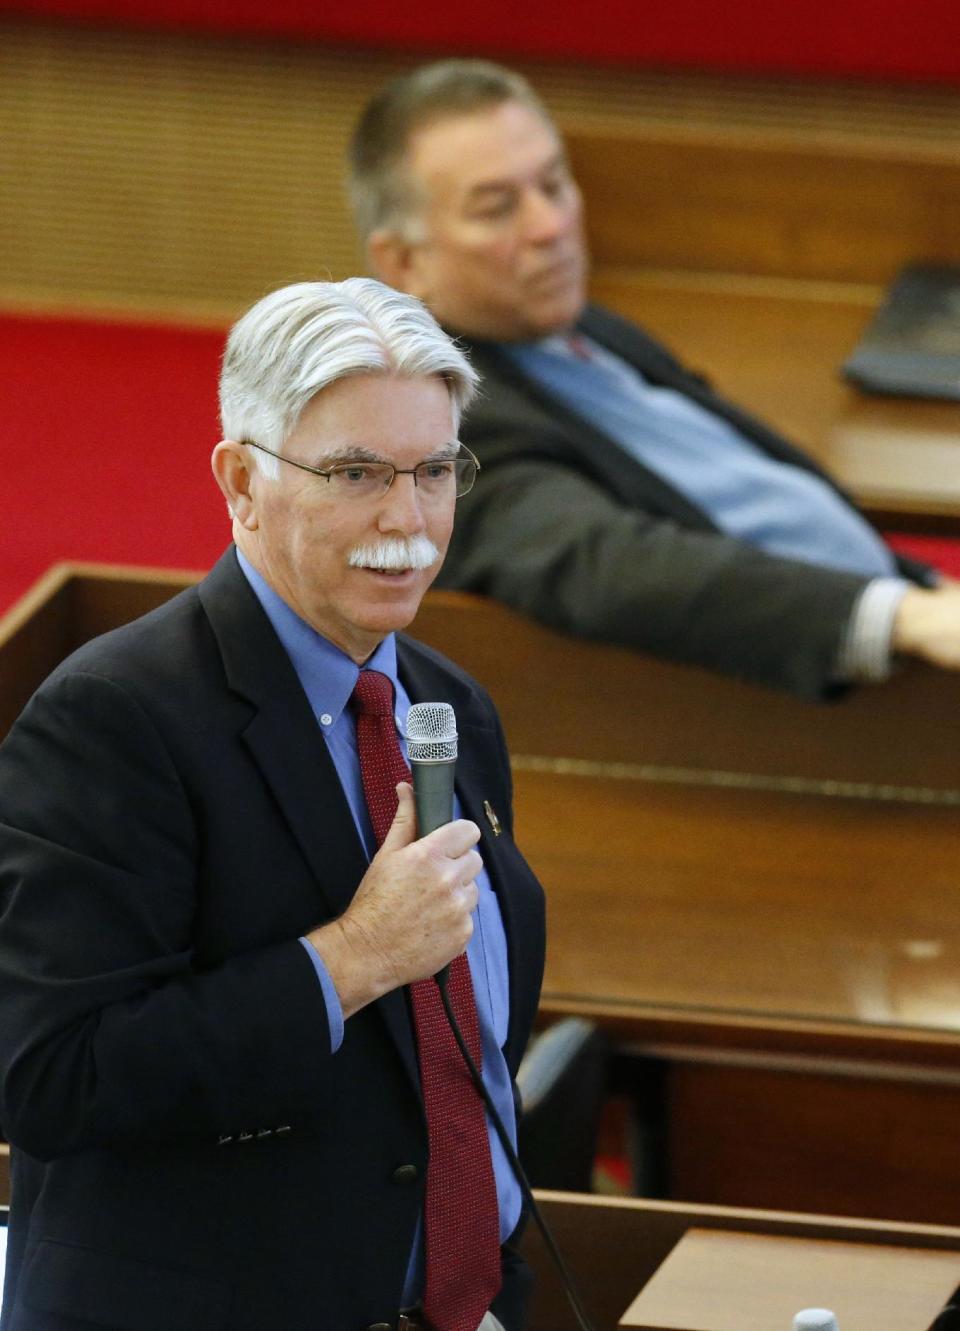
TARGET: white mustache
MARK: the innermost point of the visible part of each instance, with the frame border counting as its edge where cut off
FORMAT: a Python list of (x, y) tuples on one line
[(394, 553)]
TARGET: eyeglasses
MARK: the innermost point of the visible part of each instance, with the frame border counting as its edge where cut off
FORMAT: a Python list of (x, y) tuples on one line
[(438, 478)]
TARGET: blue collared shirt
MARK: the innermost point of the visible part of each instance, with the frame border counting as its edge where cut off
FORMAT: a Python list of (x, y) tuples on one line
[(774, 505), (328, 678)]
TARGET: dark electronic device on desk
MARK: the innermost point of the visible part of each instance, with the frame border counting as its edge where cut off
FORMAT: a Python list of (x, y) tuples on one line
[(948, 1318), (912, 346)]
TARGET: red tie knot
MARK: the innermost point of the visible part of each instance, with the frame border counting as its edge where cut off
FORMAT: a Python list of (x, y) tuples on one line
[(373, 693), (579, 346)]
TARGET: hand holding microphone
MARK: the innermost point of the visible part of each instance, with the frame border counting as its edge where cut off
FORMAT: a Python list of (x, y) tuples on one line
[(412, 910), (432, 754)]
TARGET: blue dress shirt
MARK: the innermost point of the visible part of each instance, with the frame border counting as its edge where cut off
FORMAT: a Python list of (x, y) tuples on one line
[(328, 678), (776, 506)]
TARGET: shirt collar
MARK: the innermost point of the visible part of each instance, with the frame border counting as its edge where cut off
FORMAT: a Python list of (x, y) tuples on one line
[(327, 674)]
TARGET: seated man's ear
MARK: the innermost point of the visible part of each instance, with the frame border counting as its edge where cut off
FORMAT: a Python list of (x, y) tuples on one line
[(394, 260), (232, 471)]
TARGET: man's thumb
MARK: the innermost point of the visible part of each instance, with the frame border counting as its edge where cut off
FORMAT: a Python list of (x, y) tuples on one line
[(403, 829)]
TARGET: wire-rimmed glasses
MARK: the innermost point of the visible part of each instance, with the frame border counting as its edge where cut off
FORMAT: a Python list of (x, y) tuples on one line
[(436, 478)]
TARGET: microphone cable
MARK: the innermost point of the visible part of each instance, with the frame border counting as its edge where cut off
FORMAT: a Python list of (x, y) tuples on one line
[(569, 1286)]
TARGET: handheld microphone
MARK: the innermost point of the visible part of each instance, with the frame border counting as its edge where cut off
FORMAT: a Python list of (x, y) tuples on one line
[(432, 752)]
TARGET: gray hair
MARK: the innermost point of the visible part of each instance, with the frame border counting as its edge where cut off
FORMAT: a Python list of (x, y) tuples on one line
[(297, 341), (381, 191)]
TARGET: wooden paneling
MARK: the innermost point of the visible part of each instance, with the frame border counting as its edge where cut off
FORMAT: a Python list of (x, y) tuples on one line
[(672, 724), (830, 207), (169, 172), (63, 611), (809, 1140), (678, 716)]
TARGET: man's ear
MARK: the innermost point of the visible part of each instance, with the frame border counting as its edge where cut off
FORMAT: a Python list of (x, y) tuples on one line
[(232, 472), (395, 261)]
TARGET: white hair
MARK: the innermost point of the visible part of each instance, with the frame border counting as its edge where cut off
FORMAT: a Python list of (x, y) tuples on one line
[(297, 341)]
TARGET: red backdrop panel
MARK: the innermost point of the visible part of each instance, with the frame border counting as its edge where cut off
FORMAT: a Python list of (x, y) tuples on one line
[(105, 436), (887, 39)]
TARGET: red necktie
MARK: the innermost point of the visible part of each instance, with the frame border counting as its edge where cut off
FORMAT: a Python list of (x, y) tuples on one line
[(579, 346), (461, 1217)]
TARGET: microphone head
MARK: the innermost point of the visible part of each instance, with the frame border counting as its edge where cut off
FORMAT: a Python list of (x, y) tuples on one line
[(815, 1319), (431, 733)]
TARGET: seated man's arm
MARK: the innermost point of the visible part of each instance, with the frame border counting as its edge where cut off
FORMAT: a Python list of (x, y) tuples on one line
[(550, 542)]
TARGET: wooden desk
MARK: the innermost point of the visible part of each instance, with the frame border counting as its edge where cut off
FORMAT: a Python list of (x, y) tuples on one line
[(776, 347), (756, 895), (757, 237), (790, 965), (615, 1245), (759, 896), (738, 1281)]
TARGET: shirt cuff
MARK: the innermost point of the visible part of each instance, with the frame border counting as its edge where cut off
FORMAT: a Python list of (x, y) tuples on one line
[(865, 656), (330, 996)]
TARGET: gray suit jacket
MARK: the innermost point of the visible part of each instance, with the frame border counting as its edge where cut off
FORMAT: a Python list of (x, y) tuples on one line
[(566, 527)]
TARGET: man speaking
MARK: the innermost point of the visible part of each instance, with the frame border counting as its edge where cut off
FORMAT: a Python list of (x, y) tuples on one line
[(232, 1095)]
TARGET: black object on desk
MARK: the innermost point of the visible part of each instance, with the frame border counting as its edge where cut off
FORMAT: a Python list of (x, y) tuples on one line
[(912, 346)]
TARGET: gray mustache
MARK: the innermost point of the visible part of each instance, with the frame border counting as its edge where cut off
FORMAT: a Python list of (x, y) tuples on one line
[(394, 553)]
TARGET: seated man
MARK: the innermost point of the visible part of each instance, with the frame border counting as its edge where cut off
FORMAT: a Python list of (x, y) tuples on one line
[(621, 498)]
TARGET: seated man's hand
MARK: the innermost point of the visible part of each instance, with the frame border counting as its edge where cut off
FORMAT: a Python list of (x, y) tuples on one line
[(927, 624), (411, 913)]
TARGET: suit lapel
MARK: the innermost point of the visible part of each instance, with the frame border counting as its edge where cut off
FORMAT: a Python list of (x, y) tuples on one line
[(285, 741), (573, 438), (282, 734)]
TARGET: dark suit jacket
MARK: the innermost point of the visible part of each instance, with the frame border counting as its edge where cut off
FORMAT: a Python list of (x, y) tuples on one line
[(188, 1155), (565, 526)]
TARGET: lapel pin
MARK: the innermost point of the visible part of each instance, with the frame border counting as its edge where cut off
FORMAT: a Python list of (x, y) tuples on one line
[(492, 818)]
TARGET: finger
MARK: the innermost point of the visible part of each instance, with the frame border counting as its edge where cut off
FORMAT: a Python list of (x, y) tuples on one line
[(469, 867), (403, 829), (454, 839), (471, 895)]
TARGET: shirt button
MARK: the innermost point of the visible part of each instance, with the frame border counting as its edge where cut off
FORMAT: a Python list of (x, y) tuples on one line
[(326, 719), (405, 1174)]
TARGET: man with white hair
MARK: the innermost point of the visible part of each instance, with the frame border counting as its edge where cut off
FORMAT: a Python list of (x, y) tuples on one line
[(232, 1094)]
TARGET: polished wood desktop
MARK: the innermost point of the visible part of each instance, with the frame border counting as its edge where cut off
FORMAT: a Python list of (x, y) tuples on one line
[(738, 1281), (755, 896), (615, 1246)]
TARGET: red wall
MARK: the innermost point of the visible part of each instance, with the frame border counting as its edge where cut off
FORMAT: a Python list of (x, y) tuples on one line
[(885, 39)]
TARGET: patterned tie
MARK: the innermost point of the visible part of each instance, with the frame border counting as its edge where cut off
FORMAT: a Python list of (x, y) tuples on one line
[(461, 1217)]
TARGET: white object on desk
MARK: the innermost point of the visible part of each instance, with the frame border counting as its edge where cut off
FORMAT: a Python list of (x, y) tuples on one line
[(815, 1319)]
